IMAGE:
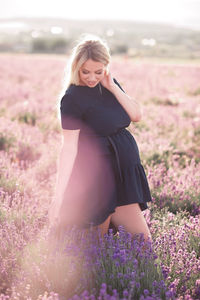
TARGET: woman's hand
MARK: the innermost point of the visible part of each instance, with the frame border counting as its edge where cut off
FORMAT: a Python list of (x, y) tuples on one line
[(108, 82)]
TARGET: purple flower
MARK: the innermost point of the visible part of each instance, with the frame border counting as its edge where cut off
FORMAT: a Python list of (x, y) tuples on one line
[(146, 292)]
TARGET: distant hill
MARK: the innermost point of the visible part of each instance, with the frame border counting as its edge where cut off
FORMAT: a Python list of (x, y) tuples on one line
[(55, 35)]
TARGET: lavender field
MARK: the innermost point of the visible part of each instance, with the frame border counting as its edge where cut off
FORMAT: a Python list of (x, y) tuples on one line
[(118, 266)]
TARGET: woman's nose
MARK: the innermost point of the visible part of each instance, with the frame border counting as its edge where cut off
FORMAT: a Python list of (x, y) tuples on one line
[(92, 77)]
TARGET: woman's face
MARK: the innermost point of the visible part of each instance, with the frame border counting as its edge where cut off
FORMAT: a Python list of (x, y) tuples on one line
[(91, 73)]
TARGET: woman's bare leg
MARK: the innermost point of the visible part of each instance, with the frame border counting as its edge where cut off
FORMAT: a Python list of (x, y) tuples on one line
[(104, 226), (132, 219)]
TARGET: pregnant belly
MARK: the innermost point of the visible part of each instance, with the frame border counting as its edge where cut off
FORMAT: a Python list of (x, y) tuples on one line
[(126, 147)]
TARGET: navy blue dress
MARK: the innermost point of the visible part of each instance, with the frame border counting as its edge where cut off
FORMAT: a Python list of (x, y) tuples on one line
[(107, 171)]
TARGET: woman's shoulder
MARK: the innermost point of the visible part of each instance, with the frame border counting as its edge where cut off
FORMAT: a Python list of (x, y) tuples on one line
[(76, 92), (73, 97), (117, 83), (71, 90), (71, 93)]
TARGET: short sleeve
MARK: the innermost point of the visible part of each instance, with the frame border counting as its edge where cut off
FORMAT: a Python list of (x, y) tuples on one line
[(71, 113), (115, 81)]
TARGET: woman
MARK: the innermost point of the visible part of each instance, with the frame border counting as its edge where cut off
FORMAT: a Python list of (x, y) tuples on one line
[(100, 177)]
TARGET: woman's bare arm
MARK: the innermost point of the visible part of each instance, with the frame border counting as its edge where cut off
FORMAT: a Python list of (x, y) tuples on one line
[(65, 164)]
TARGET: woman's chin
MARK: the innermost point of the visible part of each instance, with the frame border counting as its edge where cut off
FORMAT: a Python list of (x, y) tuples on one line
[(92, 84)]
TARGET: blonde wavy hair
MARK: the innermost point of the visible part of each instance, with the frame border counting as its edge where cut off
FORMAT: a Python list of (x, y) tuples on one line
[(88, 46)]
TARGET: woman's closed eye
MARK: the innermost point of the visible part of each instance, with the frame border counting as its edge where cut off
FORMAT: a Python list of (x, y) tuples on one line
[(98, 73)]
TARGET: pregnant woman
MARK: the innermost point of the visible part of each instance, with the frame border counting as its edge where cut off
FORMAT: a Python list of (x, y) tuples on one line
[(100, 180)]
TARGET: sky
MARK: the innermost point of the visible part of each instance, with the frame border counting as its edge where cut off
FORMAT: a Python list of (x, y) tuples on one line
[(177, 12)]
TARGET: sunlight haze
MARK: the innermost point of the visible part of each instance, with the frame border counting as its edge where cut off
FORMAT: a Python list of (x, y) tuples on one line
[(177, 12)]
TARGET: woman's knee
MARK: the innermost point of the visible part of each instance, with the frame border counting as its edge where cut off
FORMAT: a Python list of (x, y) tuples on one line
[(104, 226)]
